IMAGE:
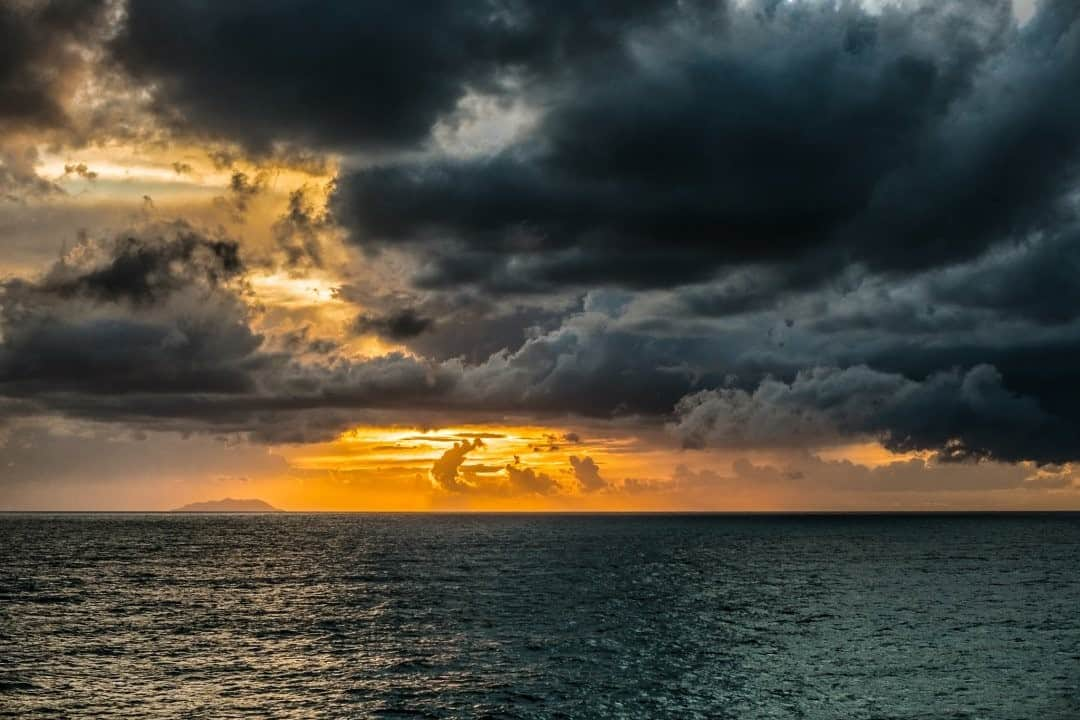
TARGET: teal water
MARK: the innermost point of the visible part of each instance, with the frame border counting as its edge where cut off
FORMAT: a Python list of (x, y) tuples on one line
[(164, 616)]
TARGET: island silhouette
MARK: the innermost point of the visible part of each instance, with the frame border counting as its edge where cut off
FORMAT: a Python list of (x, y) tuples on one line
[(229, 505)]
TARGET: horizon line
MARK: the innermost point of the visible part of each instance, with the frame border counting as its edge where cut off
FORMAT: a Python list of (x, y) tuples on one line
[(925, 511)]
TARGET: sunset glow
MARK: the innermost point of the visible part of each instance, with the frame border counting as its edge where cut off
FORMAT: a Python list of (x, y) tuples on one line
[(321, 300)]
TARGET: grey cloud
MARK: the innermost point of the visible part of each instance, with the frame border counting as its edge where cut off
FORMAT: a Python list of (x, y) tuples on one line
[(373, 75), (692, 137), (403, 324), (465, 324), (180, 352), (445, 470), (42, 45), (80, 170), (19, 181), (525, 479), (241, 190), (709, 198), (1035, 280), (959, 415), (587, 473), (798, 135), (147, 313), (300, 232), (475, 330), (140, 268)]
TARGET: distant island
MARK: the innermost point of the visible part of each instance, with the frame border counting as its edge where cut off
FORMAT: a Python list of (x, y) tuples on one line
[(229, 505)]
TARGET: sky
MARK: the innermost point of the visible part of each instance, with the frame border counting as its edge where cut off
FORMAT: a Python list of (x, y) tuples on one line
[(504, 255)]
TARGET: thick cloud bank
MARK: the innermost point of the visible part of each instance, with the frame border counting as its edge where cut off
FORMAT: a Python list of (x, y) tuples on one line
[(803, 136), (763, 223), (963, 414)]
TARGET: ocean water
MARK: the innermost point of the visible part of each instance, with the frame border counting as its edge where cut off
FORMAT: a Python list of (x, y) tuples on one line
[(503, 616)]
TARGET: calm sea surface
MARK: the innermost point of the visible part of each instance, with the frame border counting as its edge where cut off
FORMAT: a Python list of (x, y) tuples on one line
[(165, 616)]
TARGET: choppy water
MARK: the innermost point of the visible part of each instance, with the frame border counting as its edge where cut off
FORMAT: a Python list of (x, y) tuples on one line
[(540, 616)]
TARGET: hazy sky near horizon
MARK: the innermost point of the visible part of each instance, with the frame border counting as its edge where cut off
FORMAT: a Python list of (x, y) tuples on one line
[(499, 254)]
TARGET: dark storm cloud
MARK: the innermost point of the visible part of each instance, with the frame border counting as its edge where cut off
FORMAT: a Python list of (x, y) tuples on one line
[(41, 50), (475, 333), (349, 75), (1035, 280), (465, 325), (961, 414), (186, 358), (802, 135), (44, 48), (587, 366), (126, 356), (298, 342), (402, 324), (791, 223), (172, 347), (141, 268), (141, 313), (151, 328)]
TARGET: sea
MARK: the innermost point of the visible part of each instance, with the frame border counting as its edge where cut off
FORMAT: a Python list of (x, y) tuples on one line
[(540, 616)]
